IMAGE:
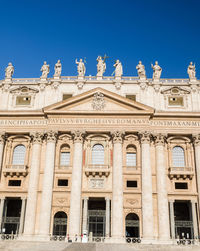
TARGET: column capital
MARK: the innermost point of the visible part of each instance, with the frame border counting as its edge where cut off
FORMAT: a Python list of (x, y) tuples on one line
[(107, 198), (37, 137), (196, 139), (51, 136), (117, 136), (159, 139), (2, 137), (171, 200), (78, 136), (85, 198), (145, 137)]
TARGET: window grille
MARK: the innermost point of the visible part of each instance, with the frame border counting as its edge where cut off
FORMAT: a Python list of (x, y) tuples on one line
[(98, 154), (19, 155), (130, 159), (65, 158), (178, 158)]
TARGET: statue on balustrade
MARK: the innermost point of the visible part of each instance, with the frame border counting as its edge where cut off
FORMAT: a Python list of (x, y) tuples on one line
[(81, 69), (9, 71), (118, 68), (58, 69), (141, 70), (191, 71), (157, 70), (45, 70), (101, 66)]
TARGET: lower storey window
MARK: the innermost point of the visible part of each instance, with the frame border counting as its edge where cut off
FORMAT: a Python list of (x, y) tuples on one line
[(131, 183), (14, 183), (63, 182)]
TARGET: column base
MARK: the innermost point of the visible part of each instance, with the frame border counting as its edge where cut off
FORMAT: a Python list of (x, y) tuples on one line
[(156, 241), (30, 237), (115, 240)]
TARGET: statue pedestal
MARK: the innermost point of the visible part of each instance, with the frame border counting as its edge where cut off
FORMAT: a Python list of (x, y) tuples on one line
[(99, 77)]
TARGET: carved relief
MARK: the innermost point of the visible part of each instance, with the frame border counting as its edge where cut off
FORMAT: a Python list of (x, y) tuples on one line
[(2, 137), (96, 183), (37, 137), (98, 102), (159, 139), (196, 139), (145, 137), (51, 136), (132, 201), (78, 136), (117, 136)]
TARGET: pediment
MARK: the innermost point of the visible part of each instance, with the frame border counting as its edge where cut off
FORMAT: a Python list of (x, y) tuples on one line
[(176, 90), (98, 101), (23, 90)]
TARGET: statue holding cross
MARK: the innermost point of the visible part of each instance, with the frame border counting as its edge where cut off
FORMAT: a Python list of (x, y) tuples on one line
[(101, 65)]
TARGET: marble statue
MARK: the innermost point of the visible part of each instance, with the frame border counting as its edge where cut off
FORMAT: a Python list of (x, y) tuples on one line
[(58, 69), (118, 68), (141, 70), (156, 71), (9, 71), (45, 70), (101, 66), (81, 68), (191, 71)]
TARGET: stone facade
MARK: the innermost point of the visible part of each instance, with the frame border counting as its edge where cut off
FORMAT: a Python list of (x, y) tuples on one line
[(112, 156)]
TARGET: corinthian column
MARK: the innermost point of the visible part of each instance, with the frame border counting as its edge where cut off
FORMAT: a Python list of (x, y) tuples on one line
[(46, 201), (163, 211), (29, 227), (147, 200), (117, 187), (2, 141), (196, 140), (75, 197)]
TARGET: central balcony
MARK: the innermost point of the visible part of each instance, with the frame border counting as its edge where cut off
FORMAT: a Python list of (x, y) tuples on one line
[(100, 170), (15, 170), (180, 172)]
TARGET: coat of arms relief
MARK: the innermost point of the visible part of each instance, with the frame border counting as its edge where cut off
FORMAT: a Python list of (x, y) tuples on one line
[(98, 102)]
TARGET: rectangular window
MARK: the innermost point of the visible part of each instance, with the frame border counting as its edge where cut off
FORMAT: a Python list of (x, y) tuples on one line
[(131, 97), (64, 158), (23, 100), (181, 185), (175, 101), (131, 183), (62, 182), (14, 183), (66, 96), (130, 159)]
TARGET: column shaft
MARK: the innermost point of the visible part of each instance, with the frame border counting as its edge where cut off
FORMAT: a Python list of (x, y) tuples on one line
[(194, 219), (30, 216), (147, 200), (107, 217), (45, 211), (196, 139), (117, 195), (85, 214), (1, 212), (21, 226), (2, 139), (76, 183), (172, 225), (163, 211)]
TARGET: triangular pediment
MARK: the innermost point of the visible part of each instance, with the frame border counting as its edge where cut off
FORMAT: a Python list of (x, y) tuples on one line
[(98, 101), (24, 90), (176, 90)]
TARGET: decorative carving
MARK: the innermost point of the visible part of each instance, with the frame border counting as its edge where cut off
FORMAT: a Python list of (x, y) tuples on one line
[(45, 71), (9, 72), (58, 69), (6, 87), (143, 85), (132, 201), (141, 71), (118, 69), (37, 137), (159, 139), (156, 87), (145, 137), (156, 71), (118, 136), (118, 85), (51, 136), (96, 183), (2, 137), (98, 102), (78, 136), (196, 139)]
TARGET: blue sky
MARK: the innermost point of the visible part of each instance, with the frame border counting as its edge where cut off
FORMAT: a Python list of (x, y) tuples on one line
[(129, 30)]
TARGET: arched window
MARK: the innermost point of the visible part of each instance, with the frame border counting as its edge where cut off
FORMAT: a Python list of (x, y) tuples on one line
[(132, 225), (131, 156), (178, 158), (19, 155), (60, 224), (98, 154), (65, 155)]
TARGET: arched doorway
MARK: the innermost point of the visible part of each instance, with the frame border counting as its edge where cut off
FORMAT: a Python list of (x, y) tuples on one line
[(132, 225), (60, 224)]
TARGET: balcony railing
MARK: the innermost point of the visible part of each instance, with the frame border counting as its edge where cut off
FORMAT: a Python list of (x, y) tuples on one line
[(180, 172), (99, 170), (15, 170)]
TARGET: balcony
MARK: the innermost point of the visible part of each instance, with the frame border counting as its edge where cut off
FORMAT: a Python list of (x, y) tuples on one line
[(180, 172), (15, 170), (100, 170)]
